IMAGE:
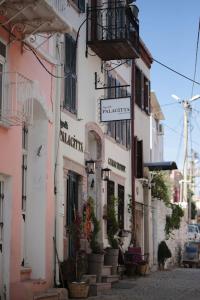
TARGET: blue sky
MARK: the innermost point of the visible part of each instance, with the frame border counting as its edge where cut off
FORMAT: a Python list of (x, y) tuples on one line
[(169, 30)]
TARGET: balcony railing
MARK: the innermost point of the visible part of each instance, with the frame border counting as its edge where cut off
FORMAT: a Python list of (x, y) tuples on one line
[(36, 16), (16, 99), (113, 32)]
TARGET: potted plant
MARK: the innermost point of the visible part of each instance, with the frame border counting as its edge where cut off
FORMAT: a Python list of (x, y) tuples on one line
[(92, 228), (112, 252), (77, 288)]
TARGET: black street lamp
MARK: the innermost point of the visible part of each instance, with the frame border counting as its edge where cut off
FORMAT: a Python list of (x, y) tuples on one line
[(90, 166), (105, 174)]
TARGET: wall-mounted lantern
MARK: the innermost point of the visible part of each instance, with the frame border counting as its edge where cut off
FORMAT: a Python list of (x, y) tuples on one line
[(105, 174), (90, 166)]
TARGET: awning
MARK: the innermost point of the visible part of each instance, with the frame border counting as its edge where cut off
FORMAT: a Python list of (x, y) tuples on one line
[(161, 166)]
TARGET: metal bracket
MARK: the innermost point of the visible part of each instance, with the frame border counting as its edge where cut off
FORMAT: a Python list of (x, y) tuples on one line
[(97, 81)]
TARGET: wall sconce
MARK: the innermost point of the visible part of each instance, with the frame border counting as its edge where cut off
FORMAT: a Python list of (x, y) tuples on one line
[(105, 174), (90, 166), (92, 183)]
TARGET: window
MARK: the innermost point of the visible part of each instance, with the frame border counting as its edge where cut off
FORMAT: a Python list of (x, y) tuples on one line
[(121, 206), (119, 130), (1, 213), (72, 204), (70, 74), (80, 4), (138, 158), (110, 194), (146, 95)]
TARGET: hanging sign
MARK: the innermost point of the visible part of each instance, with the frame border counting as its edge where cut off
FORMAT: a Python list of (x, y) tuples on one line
[(115, 109)]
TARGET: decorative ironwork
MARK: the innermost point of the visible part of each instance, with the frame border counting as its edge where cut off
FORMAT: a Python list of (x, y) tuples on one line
[(103, 86), (113, 23), (16, 103)]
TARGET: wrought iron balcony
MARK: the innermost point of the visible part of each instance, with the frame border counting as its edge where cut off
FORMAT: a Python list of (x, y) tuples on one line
[(33, 16), (113, 32), (16, 99)]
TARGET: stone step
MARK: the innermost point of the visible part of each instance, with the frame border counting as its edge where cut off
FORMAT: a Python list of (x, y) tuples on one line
[(107, 270), (26, 289), (62, 292), (25, 273), (110, 278), (91, 279), (98, 288), (47, 296)]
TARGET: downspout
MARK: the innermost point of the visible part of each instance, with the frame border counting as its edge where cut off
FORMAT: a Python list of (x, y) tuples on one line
[(133, 233), (56, 160)]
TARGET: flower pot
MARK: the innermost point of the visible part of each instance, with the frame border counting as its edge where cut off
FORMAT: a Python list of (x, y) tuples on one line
[(111, 259), (78, 289), (95, 264), (142, 269)]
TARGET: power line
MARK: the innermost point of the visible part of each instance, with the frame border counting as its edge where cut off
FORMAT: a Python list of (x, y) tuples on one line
[(175, 131), (196, 57), (176, 72)]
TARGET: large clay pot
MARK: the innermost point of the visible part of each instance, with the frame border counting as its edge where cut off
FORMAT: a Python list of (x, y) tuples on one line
[(111, 259), (95, 264)]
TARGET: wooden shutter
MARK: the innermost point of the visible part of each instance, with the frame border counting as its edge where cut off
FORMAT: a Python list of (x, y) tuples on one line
[(140, 159), (138, 87), (70, 73)]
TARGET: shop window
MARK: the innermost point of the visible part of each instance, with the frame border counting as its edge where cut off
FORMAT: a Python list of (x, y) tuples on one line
[(70, 74), (121, 206)]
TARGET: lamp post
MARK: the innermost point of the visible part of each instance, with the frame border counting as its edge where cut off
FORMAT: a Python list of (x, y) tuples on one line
[(187, 109)]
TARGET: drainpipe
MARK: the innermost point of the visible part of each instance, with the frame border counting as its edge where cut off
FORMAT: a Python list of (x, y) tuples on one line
[(57, 114), (133, 234)]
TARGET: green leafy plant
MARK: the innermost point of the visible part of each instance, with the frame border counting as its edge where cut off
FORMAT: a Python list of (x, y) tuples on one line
[(75, 266), (161, 187), (173, 222), (95, 228), (112, 223)]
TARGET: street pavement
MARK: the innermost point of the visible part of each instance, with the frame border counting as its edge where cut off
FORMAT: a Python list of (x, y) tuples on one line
[(174, 284)]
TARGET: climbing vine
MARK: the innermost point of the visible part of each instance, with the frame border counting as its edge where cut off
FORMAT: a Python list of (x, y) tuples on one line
[(161, 190), (161, 187), (173, 221)]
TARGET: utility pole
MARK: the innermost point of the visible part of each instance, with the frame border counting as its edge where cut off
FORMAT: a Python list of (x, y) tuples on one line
[(187, 109)]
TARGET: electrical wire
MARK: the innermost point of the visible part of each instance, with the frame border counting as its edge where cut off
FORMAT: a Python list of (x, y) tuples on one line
[(176, 72), (175, 131), (196, 58)]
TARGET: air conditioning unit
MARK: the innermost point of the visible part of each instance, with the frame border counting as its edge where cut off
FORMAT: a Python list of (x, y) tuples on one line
[(161, 129)]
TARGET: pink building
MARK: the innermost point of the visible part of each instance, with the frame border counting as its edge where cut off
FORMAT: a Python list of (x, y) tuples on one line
[(27, 94)]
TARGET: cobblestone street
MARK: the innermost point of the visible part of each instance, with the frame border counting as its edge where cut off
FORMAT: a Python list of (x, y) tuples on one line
[(167, 285)]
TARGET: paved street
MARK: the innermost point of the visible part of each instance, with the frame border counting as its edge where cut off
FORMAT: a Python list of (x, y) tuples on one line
[(167, 285)]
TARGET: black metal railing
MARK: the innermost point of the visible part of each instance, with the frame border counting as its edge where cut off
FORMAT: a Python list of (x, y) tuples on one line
[(112, 23)]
